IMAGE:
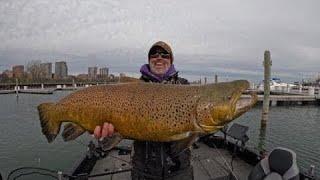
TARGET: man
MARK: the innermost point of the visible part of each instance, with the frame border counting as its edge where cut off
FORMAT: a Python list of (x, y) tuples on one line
[(156, 160)]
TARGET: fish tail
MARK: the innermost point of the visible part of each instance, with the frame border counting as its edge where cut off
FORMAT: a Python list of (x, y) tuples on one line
[(49, 119)]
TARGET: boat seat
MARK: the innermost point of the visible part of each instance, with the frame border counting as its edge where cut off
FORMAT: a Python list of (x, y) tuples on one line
[(280, 164)]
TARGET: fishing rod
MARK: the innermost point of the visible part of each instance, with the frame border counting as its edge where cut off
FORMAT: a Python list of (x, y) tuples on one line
[(59, 175)]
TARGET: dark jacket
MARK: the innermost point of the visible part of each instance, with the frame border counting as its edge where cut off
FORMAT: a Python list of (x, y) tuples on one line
[(155, 160)]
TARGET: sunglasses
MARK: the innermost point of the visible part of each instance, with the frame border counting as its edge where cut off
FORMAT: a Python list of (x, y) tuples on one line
[(162, 54)]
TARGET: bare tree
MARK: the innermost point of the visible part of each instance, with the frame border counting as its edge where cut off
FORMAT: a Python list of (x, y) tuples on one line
[(35, 70)]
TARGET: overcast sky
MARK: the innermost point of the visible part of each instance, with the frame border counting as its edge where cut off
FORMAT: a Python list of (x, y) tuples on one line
[(207, 36)]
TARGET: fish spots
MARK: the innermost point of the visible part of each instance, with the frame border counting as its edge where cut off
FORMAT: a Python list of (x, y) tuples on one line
[(138, 110)]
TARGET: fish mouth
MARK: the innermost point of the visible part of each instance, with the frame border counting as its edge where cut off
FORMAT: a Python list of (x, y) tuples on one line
[(245, 103), (230, 106), (240, 103), (210, 129)]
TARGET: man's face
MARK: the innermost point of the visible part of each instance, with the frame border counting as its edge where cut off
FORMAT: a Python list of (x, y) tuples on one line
[(159, 62)]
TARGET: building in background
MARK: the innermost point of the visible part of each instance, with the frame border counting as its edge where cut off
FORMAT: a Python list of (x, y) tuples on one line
[(82, 77), (18, 71), (61, 70), (46, 70), (122, 75), (2, 77), (103, 73), (92, 73), (8, 73)]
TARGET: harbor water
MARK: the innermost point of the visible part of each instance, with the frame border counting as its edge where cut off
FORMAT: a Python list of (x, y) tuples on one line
[(22, 143)]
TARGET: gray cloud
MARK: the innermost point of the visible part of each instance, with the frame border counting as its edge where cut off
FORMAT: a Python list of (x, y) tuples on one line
[(228, 35)]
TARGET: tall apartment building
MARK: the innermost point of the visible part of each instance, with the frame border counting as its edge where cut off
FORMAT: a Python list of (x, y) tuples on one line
[(92, 72), (61, 70), (103, 73), (46, 70), (18, 71)]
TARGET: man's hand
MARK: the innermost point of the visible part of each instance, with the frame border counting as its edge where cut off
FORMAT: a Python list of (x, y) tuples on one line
[(106, 130)]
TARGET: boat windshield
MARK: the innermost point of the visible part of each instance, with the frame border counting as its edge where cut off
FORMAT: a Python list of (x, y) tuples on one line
[(277, 80)]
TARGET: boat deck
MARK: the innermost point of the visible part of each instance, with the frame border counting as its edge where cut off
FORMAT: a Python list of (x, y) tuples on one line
[(208, 163)]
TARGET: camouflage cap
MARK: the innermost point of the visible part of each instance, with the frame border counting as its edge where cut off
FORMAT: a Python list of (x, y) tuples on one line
[(164, 46)]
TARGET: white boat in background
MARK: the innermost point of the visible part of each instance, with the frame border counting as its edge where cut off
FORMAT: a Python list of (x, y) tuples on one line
[(277, 85)]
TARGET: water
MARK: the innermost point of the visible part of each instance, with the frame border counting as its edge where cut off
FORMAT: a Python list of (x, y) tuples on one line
[(22, 143), (295, 127)]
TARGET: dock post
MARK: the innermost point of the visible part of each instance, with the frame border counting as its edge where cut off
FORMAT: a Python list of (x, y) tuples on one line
[(262, 141), (266, 100), (253, 86), (215, 78), (300, 88), (317, 95), (74, 85), (17, 89), (311, 91), (205, 80)]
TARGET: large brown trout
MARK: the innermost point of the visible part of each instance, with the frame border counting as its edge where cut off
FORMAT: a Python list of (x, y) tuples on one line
[(148, 111)]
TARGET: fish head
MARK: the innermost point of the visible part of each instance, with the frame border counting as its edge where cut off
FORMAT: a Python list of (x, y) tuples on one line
[(223, 102)]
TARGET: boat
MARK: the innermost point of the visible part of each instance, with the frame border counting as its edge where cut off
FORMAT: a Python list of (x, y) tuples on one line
[(219, 156), (223, 155), (277, 85)]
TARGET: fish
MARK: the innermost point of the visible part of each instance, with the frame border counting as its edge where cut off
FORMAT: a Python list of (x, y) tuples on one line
[(147, 111)]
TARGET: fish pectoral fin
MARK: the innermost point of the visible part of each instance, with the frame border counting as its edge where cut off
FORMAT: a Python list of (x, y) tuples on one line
[(71, 131), (108, 143), (184, 144)]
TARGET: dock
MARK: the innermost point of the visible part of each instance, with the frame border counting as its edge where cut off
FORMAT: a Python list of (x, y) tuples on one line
[(7, 91), (28, 91), (36, 91), (39, 91), (286, 99)]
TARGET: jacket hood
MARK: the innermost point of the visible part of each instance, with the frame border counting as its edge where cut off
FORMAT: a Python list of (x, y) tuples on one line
[(145, 70), (164, 46)]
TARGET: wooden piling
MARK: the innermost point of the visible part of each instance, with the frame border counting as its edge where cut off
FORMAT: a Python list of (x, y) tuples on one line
[(266, 100), (262, 140), (215, 78), (17, 90)]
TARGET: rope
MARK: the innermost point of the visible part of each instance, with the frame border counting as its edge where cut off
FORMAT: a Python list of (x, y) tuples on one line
[(225, 161), (26, 174), (120, 159), (202, 166)]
